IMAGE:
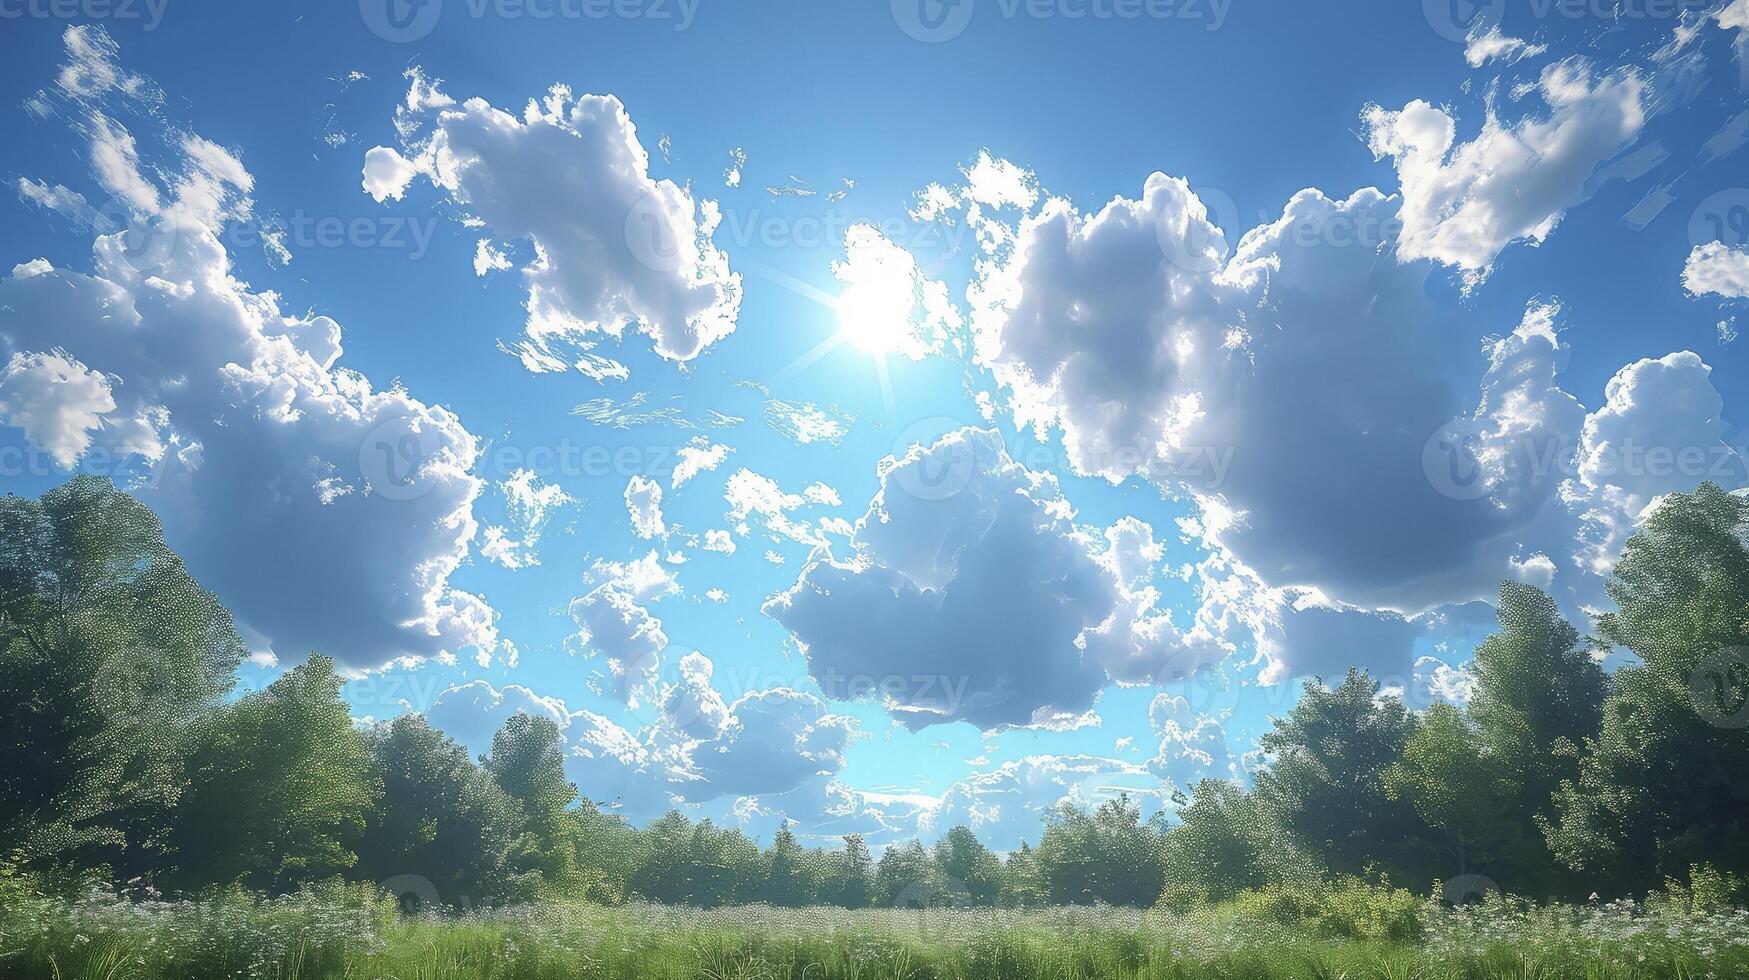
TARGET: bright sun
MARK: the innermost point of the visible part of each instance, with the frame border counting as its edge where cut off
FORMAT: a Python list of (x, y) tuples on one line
[(876, 307)]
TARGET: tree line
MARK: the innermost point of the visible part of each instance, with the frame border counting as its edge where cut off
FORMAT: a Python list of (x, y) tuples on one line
[(126, 755)]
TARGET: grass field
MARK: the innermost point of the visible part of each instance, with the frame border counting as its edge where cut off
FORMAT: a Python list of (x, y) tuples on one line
[(342, 932)]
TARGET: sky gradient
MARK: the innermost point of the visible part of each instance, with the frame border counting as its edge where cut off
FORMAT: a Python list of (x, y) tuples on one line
[(879, 415)]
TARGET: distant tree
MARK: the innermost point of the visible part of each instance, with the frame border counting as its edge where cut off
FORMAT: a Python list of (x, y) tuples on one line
[(1226, 841), (528, 764), (110, 657), (965, 860), (1665, 782), (790, 876), (850, 874), (1023, 884), (725, 864), (1325, 784), (907, 878), (1107, 856), (442, 817), (607, 853), (279, 787), (663, 872)]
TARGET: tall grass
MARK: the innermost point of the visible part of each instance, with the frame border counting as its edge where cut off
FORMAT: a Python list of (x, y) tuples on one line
[(346, 932)]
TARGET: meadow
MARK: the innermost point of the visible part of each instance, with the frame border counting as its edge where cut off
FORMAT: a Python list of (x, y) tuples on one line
[(347, 931)]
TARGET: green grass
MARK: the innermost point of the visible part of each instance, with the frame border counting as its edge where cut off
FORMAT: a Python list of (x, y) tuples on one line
[(343, 932)]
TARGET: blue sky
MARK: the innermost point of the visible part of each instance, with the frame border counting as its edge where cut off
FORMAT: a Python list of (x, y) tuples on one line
[(394, 359)]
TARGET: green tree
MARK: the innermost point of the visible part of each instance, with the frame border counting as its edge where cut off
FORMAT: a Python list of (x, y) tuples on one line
[(1023, 882), (1226, 841), (110, 657), (791, 878), (1537, 691), (528, 764), (850, 874), (1665, 782), (279, 787), (966, 861), (1325, 785), (1460, 790), (907, 878), (607, 853), (725, 866), (1106, 856), (442, 817)]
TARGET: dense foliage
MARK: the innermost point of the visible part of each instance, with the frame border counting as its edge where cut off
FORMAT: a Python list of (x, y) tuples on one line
[(125, 760)]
